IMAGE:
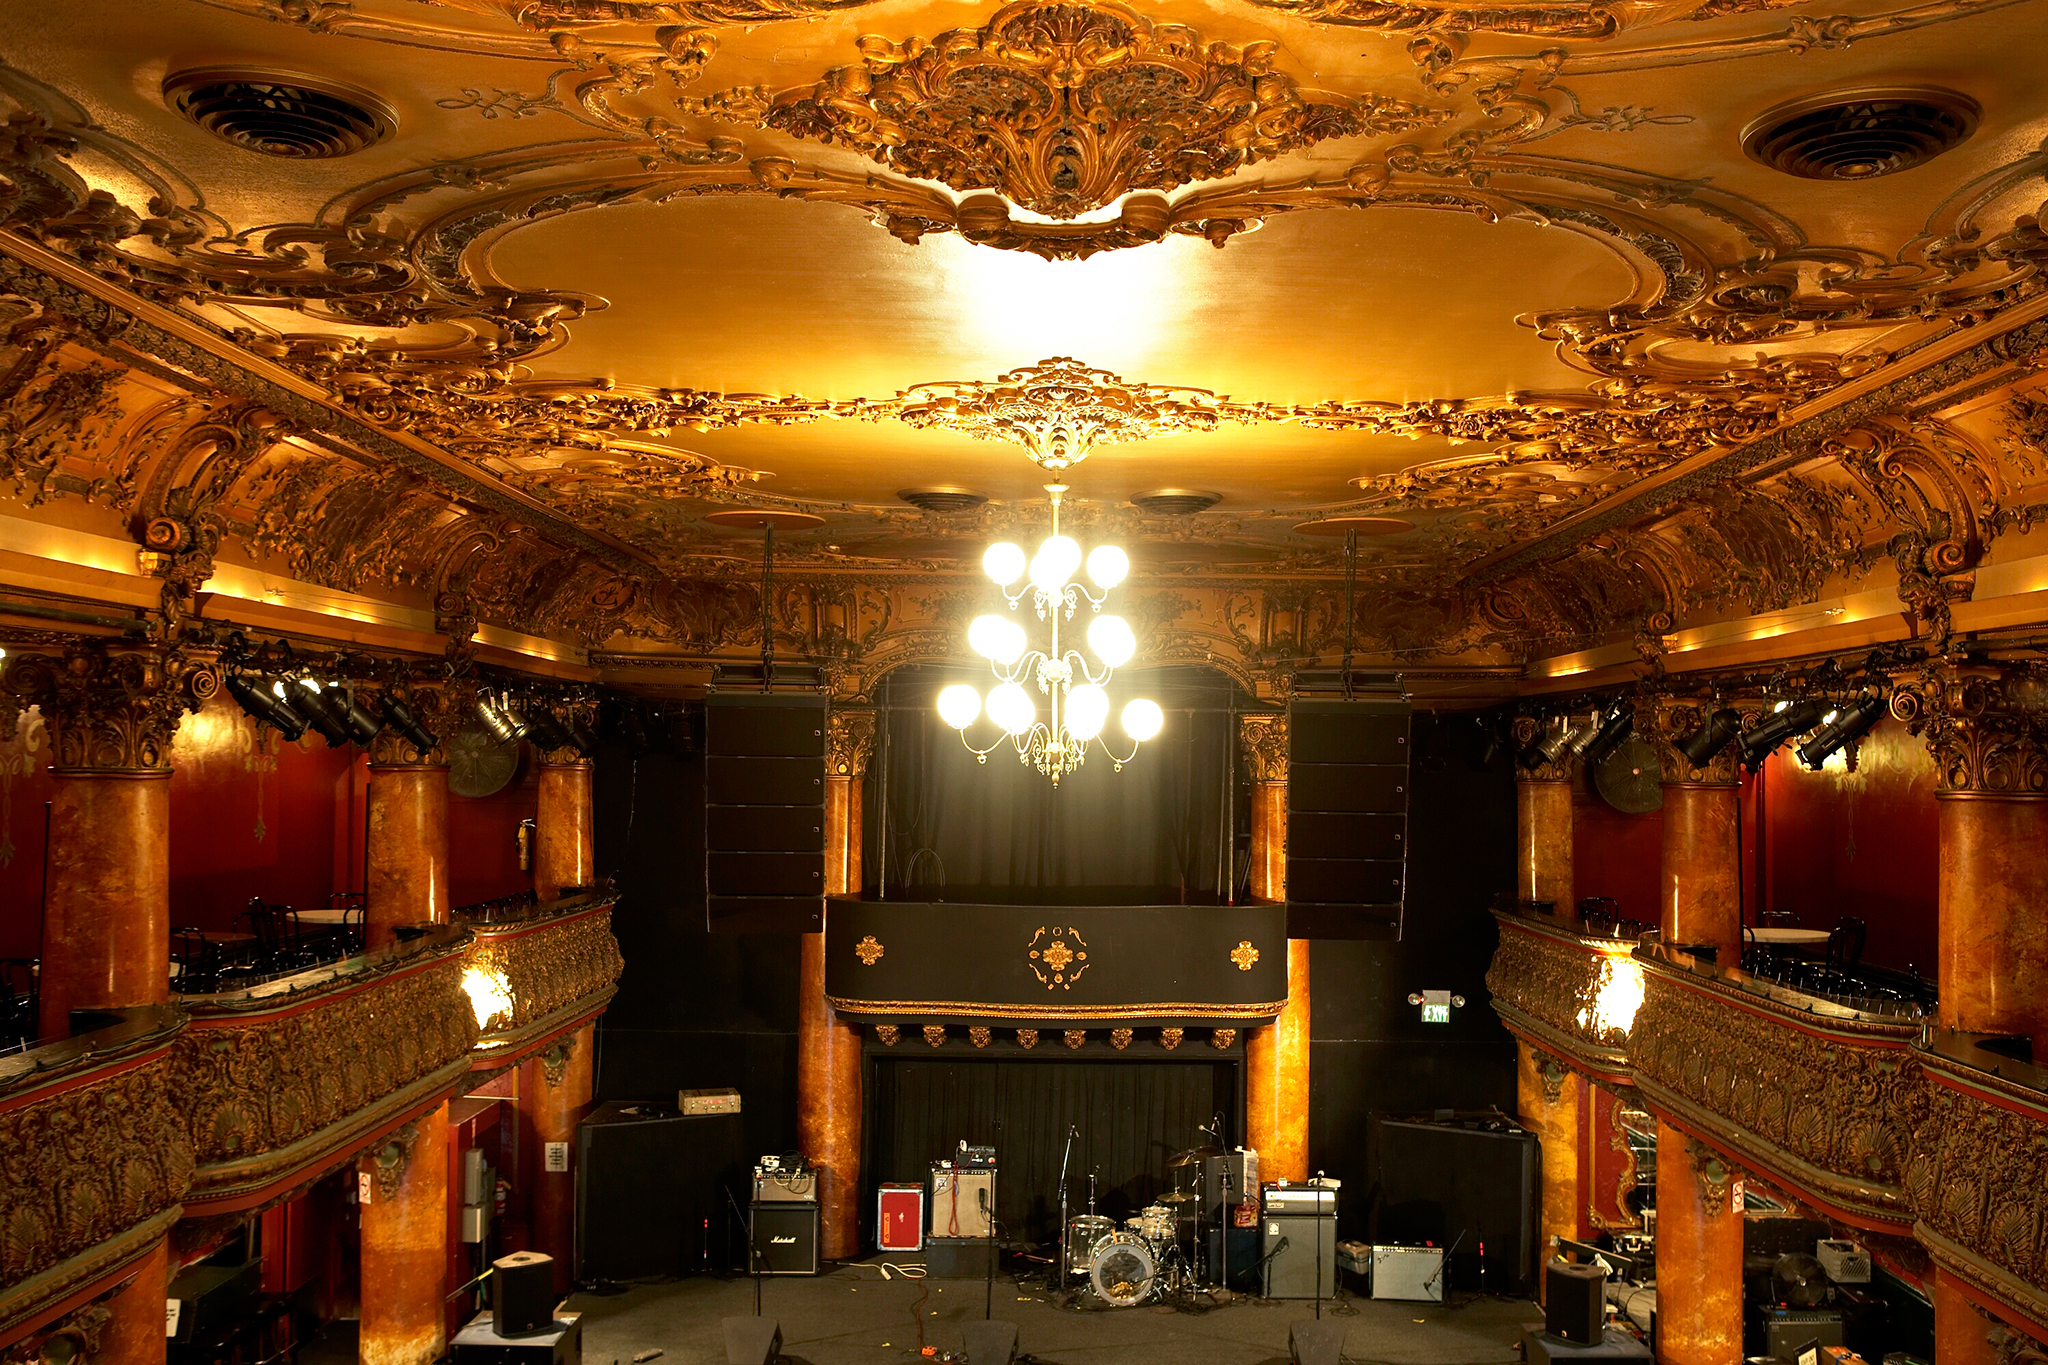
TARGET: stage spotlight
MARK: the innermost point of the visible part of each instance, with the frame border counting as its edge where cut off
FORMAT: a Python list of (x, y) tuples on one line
[(1571, 730), (1608, 737), (321, 711), (363, 723), (495, 719), (1531, 755), (1839, 728), (264, 707), (581, 735), (1791, 718), (1718, 733), (407, 723), (544, 730)]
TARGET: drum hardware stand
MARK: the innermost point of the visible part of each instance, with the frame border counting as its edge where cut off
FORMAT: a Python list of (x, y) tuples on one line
[(1229, 1219), (1073, 1130)]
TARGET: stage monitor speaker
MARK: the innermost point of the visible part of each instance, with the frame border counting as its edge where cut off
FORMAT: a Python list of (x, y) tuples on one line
[(990, 1343), (1573, 1308), (752, 1341), (764, 813), (523, 1301), (1347, 818), (785, 1236), (1316, 1341), (652, 1191), (1440, 1180)]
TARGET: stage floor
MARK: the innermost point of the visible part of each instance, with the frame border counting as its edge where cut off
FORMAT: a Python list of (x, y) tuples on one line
[(853, 1317)]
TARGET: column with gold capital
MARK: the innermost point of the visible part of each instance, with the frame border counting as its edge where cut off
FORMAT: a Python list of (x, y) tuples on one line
[(1700, 895), (1277, 1055), (1543, 827), (565, 851), (828, 1068), (112, 715), (1699, 1253), (406, 820)]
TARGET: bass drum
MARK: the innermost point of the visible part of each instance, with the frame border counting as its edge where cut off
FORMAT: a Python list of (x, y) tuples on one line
[(1084, 1233), (1123, 1269)]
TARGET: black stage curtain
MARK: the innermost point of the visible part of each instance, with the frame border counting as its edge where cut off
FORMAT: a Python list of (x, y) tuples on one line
[(1132, 1117), (955, 829)]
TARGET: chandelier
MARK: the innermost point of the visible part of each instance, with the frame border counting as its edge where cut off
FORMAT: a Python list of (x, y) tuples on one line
[(1077, 699)]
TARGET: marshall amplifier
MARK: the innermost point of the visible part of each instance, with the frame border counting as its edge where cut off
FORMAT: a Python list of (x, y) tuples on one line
[(785, 1237)]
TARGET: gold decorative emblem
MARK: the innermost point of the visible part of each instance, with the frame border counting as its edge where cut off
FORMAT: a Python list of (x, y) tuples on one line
[(1063, 108), (1222, 1038), (935, 1034), (1027, 1038), (1120, 1038), (1055, 961), (1074, 1037), (1169, 1038), (978, 1035), (888, 1033), (869, 951), (1244, 955)]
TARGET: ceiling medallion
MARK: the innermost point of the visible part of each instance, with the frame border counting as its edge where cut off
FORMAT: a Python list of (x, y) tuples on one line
[(1064, 108), (1059, 410), (1074, 690)]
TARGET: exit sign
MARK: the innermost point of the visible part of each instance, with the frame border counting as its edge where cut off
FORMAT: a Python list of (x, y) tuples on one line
[(1435, 1013)]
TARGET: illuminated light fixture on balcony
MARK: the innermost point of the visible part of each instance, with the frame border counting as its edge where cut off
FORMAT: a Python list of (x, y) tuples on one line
[(1606, 737), (407, 722), (1617, 995), (490, 996), (1076, 693), (324, 713), (1841, 728), (270, 709), (500, 721), (1787, 719), (1717, 733)]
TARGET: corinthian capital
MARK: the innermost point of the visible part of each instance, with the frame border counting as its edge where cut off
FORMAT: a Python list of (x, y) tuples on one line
[(110, 709), (849, 741), (1264, 735), (1985, 724)]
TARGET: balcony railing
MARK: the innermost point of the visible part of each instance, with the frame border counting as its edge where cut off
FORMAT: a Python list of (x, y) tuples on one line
[(280, 1081), (97, 1158), (1571, 994), (533, 974)]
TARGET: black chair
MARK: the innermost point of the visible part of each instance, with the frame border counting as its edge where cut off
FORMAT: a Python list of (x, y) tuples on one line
[(17, 1003), (198, 963), (1845, 944)]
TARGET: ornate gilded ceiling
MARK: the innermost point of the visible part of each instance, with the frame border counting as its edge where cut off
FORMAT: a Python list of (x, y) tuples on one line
[(1503, 275)]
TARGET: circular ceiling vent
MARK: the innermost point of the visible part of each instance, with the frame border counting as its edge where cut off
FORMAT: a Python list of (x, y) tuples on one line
[(278, 114), (947, 499), (1860, 135), (1175, 502)]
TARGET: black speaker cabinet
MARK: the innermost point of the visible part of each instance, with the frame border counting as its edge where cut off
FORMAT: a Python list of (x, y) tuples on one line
[(1444, 1184), (785, 1237), (1347, 818), (764, 813), (524, 1300), (652, 1191), (1572, 1305)]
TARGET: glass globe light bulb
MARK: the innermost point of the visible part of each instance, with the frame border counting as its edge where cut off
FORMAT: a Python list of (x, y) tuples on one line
[(1142, 719), (1087, 709), (984, 634), (1010, 707), (1055, 562), (1107, 566), (1008, 640), (959, 705), (1111, 639), (1003, 562)]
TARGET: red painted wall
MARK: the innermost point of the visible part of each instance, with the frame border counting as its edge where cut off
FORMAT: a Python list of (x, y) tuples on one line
[(1858, 843), (1618, 856), (24, 788), (483, 838)]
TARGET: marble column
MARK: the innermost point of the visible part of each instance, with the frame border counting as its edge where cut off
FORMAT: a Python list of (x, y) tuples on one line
[(1276, 1056), (1547, 1099), (1700, 897), (1962, 1331), (1699, 1253), (828, 1067), (1543, 830), (406, 826), (112, 718), (134, 1331), (404, 1236), (565, 851), (555, 1089)]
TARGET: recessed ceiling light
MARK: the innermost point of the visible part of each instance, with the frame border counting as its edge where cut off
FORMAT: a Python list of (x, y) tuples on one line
[(1860, 134), (279, 113)]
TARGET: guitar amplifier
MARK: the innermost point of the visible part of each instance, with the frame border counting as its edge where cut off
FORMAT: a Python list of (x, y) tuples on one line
[(963, 1201), (797, 1185), (899, 1218), (785, 1237)]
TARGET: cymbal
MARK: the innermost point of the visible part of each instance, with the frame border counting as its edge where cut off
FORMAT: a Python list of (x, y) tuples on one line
[(1180, 1197), (1191, 1156)]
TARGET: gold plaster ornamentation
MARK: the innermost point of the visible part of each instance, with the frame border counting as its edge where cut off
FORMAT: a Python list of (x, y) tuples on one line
[(1222, 1038), (1027, 1038), (979, 1035), (935, 1034), (1244, 955), (1074, 1037), (1120, 1038), (1056, 962), (868, 950), (1264, 736), (1170, 1037), (887, 1034)]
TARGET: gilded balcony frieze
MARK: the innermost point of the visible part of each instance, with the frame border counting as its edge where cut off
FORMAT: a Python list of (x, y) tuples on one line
[(530, 978), (284, 1081), (1812, 1095), (98, 1159), (1570, 995)]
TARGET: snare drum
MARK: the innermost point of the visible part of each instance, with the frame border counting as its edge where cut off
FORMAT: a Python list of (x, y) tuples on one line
[(1084, 1233)]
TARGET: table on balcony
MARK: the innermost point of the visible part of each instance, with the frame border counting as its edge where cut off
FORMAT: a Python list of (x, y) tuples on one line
[(1788, 937)]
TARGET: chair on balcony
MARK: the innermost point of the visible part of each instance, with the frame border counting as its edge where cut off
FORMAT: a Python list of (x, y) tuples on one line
[(1600, 914), (278, 947), (17, 1003), (353, 905), (197, 962), (1779, 919), (1845, 944)]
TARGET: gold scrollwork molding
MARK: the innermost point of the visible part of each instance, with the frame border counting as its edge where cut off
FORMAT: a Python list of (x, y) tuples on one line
[(552, 967), (1565, 995), (849, 741), (1985, 724), (111, 709), (1054, 961), (1264, 737)]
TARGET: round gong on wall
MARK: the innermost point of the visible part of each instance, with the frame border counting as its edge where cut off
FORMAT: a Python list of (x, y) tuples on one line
[(479, 765)]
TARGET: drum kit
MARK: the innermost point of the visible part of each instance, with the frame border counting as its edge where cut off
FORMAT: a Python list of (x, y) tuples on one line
[(1158, 1255)]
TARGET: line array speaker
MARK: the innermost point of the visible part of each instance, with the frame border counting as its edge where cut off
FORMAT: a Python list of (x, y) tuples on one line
[(1347, 818), (764, 813)]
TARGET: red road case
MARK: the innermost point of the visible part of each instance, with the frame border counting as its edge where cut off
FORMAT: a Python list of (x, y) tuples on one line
[(899, 1218)]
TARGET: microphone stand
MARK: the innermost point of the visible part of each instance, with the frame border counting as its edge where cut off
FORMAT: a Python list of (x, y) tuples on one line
[(753, 1250), (1066, 1231)]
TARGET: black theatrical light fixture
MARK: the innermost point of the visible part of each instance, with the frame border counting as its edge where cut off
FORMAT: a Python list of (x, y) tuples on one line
[(581, 735), (1840, 728), (491, 716), (1791, 718), (1530, 755), (259, 704), (363, 723), (1570, 733), (514, 713), (1603, 741), (544, 730), (1711, 738), (321, 711), (406, 722), (632, 726), (1487, 749)]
